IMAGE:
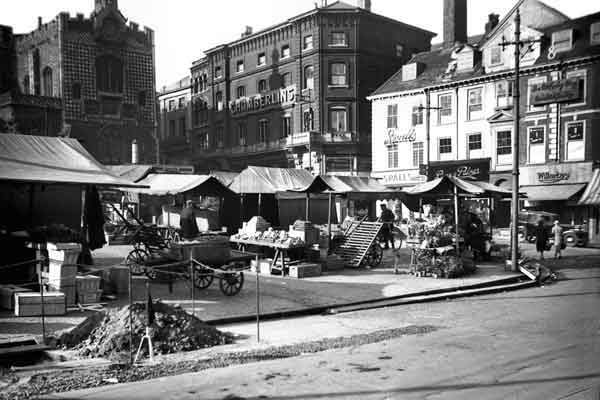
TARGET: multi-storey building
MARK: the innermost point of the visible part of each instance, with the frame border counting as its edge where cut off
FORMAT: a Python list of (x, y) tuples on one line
[(174, 118), (100, 72), (450, 110), (294, 95)]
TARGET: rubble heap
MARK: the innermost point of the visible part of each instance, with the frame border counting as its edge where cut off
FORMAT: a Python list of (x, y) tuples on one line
[(173, 330)]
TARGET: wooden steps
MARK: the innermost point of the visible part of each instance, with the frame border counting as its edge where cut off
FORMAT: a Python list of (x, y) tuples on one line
[(359, 238)]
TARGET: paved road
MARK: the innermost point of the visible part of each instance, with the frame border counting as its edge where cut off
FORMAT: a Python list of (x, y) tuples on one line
[(540, 343)]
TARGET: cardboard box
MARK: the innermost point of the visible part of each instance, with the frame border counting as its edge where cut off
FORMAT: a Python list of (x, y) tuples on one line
[(305, 270), (29, 304), (7, 295)]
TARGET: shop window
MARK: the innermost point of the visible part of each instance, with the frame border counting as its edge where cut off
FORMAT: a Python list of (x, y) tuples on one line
[(47, 81), (581, 78), (475, 104), (474, 145), (76, 91), (445, 148), (241, 92), (242, 133), (531, 86), (338, 39), (537, 145), (309, 77), (504, 94), (286, 126), (109, 74), (417, 115), (285, 51), (504, 147), (218, 72), (307, 43), (338, 164), (445, 111), (264, 130), (575, 141), (338, 74), (418, 150), (562, 40), (262, 86), (392, 156), (495, 55), (595, 33), (219, 101), (392, 116), (182, 127), (262, 59), (239, 66), (338, 119)]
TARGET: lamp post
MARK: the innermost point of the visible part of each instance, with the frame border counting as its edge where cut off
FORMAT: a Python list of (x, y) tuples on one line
[(518, 43)]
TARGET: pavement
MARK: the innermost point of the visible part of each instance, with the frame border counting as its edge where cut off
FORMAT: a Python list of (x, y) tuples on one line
[(537, 343)]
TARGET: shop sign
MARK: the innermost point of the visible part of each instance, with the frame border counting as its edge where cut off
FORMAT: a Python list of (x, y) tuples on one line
[(552, 177), (474, 170), (393, 136), (561, 91), (281, 97), (403, 178)]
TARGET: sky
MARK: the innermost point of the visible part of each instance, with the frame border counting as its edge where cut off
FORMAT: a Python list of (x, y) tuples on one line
[(184, 28)]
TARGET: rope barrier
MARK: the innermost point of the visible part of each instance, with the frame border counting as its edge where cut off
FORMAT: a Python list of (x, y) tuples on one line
[(33, 261)]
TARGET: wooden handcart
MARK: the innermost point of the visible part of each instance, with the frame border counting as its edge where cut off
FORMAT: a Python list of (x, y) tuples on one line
[(359, 247)]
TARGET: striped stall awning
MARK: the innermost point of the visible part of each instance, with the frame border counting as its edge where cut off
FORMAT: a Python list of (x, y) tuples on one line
[(591, 196)]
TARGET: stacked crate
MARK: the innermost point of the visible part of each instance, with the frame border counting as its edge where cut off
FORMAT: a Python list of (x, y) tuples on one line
[(7, 295), (62, 269), (88, 289), (29, 304)]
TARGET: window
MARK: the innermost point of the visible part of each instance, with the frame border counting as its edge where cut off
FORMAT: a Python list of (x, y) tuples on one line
[(286, 79), (417, 148), (239, 66), (76, 91), (474, 146), (172, 127), (141, 98), (262, 59), (204, 142), (308, 120), (595, 33), (26, 88), (531, 84), (47, 81), (575, 140), (263, 130), (195, 88), (307, 43), (109, 74), (393, 156), (220, 136), (338, 119), (181, 102), (219, 101), (581, 76), (182, 127), (285, 51), (242, 133), (496, 55), (392, 116), (286, 126), (262, 86), (537, 146), (445, 148), (338, 39), (504, 147), (504, 94), (475, 104), (309, 77), (399, 50), (218, 72), (417, 115), (240, 92), (562, 40), (171, 105), (445, 111), (338, 74)]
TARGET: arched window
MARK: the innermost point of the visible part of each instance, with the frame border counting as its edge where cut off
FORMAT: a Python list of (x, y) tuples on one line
[(47, 81), (26, 87), (262, 86), (309, 77), (36, 72), (109, 74)]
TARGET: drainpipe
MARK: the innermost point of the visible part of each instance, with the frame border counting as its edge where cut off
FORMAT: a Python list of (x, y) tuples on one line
[(457, 125), (427, 125)]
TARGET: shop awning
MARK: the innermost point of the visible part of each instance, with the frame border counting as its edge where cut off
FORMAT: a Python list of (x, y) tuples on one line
[(552, 192), (172, 184), (591, 196), (266, 180), (52, 160)]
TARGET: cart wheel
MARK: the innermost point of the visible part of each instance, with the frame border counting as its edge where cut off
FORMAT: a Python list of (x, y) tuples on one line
[(203, 278), (375, 255), (151, 273), (231, 283), (135, 261)]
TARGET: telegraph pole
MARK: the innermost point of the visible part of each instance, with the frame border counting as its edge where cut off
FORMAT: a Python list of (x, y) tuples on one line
[(518, 43)]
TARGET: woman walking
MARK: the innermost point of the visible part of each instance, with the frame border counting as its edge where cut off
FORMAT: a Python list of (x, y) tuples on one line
[(541, 238), (557, 230)]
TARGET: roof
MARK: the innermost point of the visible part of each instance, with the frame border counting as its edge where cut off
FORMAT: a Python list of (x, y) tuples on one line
[(52, 160), (172, 184), (591, 196), (224, 176), (274, 180), (445, 185), (354, 184), (552, 192), (131, 172)]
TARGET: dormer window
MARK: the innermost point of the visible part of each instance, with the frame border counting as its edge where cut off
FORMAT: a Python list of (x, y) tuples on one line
[(595, 33), (496, 55), (562, 40)]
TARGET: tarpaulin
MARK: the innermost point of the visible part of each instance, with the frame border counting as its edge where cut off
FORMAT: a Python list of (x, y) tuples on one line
[(171, 184), (41, 159), (591, 196), (132, 172), (358, 185), (552, 192), (265, 180)]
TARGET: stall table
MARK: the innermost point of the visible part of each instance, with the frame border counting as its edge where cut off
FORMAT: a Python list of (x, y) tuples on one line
[(280, 250)]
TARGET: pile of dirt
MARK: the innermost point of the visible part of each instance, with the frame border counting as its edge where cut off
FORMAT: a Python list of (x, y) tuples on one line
[(172, 331)]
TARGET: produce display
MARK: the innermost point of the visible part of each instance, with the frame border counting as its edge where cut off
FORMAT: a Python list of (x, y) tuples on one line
[(271, 236)]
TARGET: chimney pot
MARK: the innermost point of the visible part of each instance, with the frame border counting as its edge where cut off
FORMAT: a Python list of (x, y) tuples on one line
[(364, 4), (493, 20), (39, 22)]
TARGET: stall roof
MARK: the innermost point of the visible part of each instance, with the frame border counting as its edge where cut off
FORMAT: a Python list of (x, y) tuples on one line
[(552, 192), (444, 185), (266, 180), (132, 172), (52, 160), (171, 184), (225, 177), (591, 196)]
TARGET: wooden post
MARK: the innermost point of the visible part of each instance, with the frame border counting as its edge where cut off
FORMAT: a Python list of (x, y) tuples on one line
[(456, 219), (43, 311), (257, 301), (307, 206), (259, 203), (130, 318), (192, 269), (329, 222)]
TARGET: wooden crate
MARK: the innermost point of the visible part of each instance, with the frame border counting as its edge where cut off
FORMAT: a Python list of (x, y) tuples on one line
[(89, 297), (7, 295), (29, 304), (88, 283), (305, 270)]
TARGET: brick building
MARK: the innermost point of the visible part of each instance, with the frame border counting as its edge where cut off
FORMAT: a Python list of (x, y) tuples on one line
[(174, 118), (100, 72), (294, 95)]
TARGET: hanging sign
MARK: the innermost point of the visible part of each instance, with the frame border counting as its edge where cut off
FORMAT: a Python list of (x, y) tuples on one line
[(473, 170)]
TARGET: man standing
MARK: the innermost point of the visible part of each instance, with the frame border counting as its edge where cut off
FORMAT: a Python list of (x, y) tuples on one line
[(557, 231), (187, 221), (387, 217)]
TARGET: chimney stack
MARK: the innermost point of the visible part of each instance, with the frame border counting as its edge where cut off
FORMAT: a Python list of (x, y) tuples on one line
[(247, 32), (364, 4), (493, 20), (100, 4), (455, 22), (39, 22)]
